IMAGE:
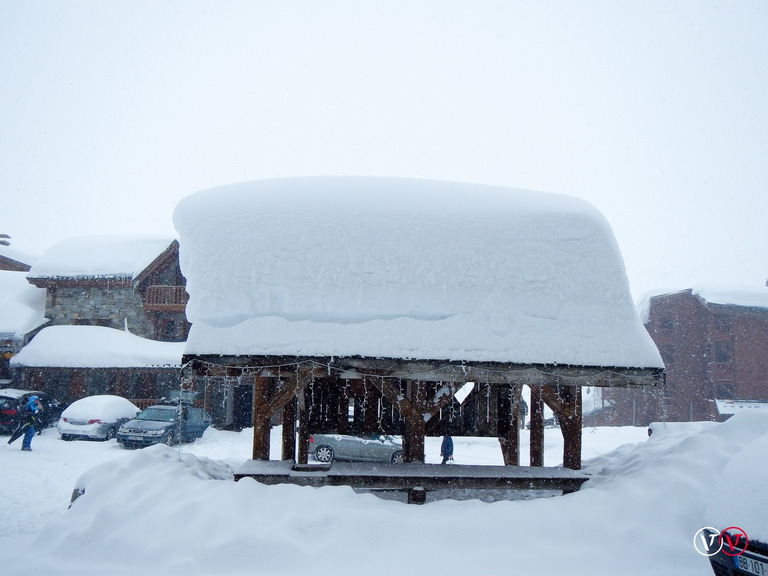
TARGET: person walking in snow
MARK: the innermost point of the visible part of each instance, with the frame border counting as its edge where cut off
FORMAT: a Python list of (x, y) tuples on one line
[(446, 449), (27, 422)]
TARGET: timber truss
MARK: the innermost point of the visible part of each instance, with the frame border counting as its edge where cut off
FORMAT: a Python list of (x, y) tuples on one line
[(414, 398)]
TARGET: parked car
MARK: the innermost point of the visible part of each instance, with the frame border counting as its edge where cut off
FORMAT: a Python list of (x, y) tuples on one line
[(376, 448), (164, 423), (95, 417), (732, 557), (11, 399)]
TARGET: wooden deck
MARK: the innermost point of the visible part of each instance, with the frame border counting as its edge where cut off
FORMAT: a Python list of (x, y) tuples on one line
[(414, 478)]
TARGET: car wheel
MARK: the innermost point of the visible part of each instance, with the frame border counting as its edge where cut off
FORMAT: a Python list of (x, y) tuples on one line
[(66, 437), (110, 434), (397, 457), (170, 441), (324, 454)]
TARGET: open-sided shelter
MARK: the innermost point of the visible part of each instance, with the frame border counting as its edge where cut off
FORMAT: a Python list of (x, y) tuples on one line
[(356, 304)]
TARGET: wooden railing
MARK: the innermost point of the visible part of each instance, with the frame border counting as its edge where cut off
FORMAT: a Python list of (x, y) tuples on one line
[(166, 298)]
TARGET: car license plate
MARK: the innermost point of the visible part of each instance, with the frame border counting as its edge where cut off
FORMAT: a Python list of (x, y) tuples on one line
[(135, 438), (751, 565)]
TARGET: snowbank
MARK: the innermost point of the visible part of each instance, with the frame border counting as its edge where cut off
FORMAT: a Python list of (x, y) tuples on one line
[(99, 257), (163, 511), (96, 347), (385, 267)]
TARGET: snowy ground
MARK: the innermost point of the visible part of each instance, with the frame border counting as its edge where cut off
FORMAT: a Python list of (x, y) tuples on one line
[(171, 511)]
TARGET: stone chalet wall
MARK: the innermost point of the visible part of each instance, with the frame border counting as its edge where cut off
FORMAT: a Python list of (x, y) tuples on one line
[(99, 306)]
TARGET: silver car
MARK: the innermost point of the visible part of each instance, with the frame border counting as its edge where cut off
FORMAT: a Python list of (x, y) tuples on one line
[(376, 448), (95, 417)]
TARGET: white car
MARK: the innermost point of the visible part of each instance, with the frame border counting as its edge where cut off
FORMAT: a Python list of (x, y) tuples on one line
[(95, 417)]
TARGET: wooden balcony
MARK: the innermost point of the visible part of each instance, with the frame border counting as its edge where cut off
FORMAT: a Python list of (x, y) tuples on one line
[(166, 298)]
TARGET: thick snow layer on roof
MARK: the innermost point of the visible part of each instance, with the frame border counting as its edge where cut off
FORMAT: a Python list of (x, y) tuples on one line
[(21, 256), (384, 267), (734, 296), (99, 257), (96, 347), (22, 306), (714, 294)]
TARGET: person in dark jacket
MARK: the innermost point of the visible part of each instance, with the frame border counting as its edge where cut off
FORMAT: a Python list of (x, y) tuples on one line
[(28, 421), (446, 448)]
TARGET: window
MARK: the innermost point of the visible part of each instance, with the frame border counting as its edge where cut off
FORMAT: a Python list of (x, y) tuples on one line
[(723, 352), (725, 390)]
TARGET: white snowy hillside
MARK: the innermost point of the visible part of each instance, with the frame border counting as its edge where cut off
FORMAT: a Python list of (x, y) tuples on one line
[(99, 257), (386, 267), (96, 347), (22, 306)]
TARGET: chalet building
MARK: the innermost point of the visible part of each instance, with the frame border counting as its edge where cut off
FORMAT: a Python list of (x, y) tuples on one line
[(362, 305), (714, 348), (116, 282), (116, 323)]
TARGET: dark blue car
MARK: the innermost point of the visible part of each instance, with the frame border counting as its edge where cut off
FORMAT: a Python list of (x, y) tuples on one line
[(167, 424)]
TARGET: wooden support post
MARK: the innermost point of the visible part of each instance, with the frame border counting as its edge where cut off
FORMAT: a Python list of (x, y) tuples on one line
[(289, 430), (571, 427), (537, 427), (342, 412), (415, 426), (508, 428), (303, 429), (260, 422)]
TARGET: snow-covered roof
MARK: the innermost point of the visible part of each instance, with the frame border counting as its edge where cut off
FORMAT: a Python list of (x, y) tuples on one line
[(733, 296), (714, 294), (12, 253), (22, 306), (400, 268), (99, 257), (731, 407), (96, 347)]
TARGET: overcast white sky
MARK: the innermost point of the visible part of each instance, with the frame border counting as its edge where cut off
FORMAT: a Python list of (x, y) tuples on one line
[(654, 111)]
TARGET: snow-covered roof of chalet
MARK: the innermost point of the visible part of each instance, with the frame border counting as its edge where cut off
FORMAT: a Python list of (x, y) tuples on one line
[(96, 347), (409, 269), (22, 306), (99, 257), (20, 256)]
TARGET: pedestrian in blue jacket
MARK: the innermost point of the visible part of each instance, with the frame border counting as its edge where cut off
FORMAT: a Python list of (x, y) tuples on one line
[(446, 448), (29, 419)]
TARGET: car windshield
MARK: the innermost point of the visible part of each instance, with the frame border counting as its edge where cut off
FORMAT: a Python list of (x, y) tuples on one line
[(157, 414)]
